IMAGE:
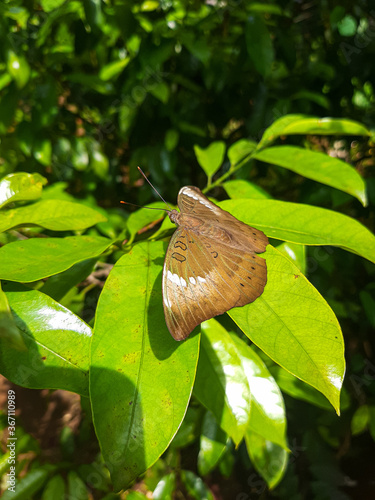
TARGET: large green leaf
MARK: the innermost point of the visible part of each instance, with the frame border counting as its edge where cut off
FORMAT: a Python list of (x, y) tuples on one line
[(222, 385), (267, 415), (57, 342), (140, 378), (317, 166), (304, 224), (21, 186), (37, 258), (303, 124), (51, 214), (294, 325)]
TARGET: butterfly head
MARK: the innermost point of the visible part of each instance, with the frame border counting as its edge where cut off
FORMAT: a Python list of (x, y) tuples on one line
[(174, 215)]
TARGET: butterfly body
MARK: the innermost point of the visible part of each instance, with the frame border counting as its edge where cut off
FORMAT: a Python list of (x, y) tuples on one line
[(211, 263)]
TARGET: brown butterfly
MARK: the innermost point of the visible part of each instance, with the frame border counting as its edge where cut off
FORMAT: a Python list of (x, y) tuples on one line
[(211, 263)]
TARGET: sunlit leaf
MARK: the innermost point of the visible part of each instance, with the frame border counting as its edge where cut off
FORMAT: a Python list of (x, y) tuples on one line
[(294, 325), (141, 379), (304, 224), (21, 186), (221, 384), (57, 342), (56, 215), (317, 166), (303, 124), (37, 258)]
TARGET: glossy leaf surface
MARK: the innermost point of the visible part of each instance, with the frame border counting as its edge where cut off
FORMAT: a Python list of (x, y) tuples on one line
[(140, 378), (57, 342), (317, 166), (21, 186), (267, 414), (51, 214), (294, 325), (304, 224), (221, 384), (303, 124), (37, 258)]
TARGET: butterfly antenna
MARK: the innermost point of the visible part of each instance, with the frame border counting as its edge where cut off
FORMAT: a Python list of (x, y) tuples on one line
[(140, 206), (156, 191)]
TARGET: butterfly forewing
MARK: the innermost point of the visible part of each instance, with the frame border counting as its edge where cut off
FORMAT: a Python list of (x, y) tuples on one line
[(211, 265)]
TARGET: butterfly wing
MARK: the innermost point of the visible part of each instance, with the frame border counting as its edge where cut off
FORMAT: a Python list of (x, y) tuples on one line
[(192, 201), (203, 277)]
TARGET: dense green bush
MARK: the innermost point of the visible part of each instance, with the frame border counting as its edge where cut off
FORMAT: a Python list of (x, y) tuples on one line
[(225, 96)]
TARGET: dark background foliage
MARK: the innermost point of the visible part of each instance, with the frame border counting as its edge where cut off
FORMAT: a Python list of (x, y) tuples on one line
[(90, 89)]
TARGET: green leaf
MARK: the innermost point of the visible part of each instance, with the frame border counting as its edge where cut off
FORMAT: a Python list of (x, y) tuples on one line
[(296, 253), (165, 488), (189, 430), (142, 218), (239, 150), (267, 414), (161, 91), (113, 69), (77, 489), (57, 341), (317, 166), (269, 459), (8, 329), (221, 384), (304, 224), (27, 485), (21, 186), (259, 44), (360, 420), (56, 215), (294, 326), (49, 5), (37, 258), (195, 486), (58, 286), (42, 151), (304, 124), (141, 379), (210, 158), (238, 188), (212, 444), (297, 389), (99, 163), (55, 489), (18, 68), (80, 156)]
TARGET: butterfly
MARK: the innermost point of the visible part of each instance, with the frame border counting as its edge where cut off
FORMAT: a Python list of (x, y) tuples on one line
[(211, 264)]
